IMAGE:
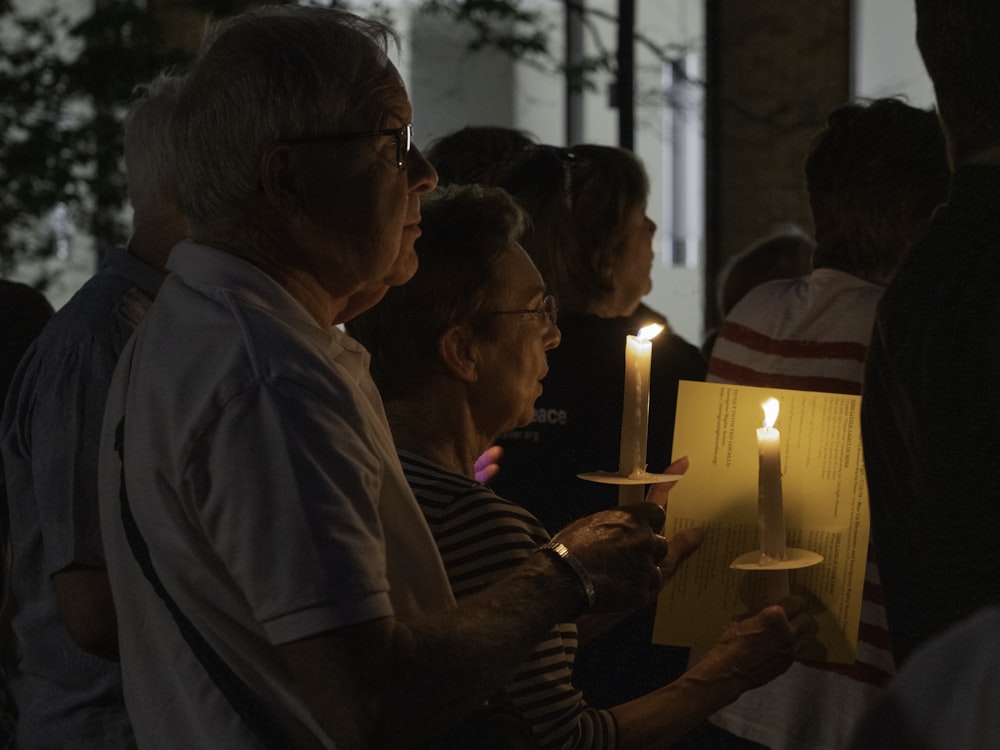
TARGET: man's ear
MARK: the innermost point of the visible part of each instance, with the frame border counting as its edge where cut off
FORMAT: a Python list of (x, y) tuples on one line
[(282, 188), (459, 354)]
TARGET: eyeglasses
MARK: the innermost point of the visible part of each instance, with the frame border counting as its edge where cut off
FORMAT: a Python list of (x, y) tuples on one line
[(403, 136), (548, 309), (567, 161)]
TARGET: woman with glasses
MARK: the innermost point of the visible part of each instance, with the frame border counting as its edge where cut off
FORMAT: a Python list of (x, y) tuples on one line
[(592, 241), (459, 355)]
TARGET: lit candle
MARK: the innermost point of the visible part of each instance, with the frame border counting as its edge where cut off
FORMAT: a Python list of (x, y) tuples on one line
[(635, 412), (770, 510)]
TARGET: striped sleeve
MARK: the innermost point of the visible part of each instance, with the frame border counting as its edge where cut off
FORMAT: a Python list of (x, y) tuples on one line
[(481, 537), (808, 334)]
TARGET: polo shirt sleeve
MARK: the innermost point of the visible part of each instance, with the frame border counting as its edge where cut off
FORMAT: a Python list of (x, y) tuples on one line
[(291, 480), (68, 410)]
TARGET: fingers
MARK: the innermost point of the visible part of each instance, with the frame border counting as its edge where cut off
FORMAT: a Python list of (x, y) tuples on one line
[(787, 622), (680, 466), (679, 548), (660, 550), (620, 549), (659, 492), (487, 465), (793, 605), (802, 624), (650, 514), (487, 473)]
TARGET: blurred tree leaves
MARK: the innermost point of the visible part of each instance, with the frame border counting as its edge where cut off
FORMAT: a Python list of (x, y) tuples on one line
[(65, 85)]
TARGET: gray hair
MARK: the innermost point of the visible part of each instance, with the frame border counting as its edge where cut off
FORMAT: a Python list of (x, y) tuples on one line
[(261, 77), (150, 166)]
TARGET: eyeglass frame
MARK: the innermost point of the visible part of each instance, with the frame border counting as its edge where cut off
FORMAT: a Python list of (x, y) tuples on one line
[(568, 160), (403, 135), (548, 308)]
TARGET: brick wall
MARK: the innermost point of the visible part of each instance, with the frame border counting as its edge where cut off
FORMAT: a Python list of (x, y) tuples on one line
[(775, 70)]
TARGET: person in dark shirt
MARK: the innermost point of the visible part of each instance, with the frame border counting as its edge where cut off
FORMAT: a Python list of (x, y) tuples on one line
[(24, 311), (593, 244), (68, 680), (931, 405)]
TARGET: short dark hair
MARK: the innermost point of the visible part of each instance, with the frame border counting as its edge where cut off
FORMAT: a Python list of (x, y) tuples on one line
[(465, 230), (874, 175), (477, 154), (958, 43), (786, 253), (579, 200)]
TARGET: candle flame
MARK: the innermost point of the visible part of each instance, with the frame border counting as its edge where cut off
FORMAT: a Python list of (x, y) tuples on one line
[(770, 412), (650, 332)]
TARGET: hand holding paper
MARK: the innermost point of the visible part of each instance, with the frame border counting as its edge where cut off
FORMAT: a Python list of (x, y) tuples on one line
[(756, 647), (658, 493), (825, 502)]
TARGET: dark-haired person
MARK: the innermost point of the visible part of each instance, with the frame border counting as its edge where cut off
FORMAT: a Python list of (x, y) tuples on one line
[(785, 253), (875, 174), (478, 154), (470, 366), (592, 241)]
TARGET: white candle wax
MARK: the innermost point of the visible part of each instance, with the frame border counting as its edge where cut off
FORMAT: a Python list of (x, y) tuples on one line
[(635, 411), (770, 507)]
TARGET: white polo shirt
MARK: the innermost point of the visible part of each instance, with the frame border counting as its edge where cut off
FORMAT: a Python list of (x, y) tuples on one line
[(262, 474)]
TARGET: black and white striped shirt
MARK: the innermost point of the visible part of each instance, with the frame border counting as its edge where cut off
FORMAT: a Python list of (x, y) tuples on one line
[(481, 537)]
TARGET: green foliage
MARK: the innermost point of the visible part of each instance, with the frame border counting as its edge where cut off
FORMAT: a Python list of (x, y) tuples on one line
[(64, 88), (524, 33), (504, 24)]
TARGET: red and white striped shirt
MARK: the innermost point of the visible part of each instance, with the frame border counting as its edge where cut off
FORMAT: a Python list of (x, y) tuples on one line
[(810, 333)]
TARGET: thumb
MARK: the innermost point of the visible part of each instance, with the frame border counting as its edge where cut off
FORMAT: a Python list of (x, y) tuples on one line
[(680, 548)]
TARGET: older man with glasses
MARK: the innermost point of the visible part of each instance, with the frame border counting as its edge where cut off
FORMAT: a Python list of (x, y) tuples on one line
[(276, 583)]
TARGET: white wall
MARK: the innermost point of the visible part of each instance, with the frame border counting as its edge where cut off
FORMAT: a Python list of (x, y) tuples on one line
[(449, 89), (886, 59)]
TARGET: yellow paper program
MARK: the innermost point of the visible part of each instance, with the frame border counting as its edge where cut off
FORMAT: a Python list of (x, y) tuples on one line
[(825, 503)]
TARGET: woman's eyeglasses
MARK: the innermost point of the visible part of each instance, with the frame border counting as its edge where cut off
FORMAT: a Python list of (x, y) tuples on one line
[(547, 308), (567, 160)]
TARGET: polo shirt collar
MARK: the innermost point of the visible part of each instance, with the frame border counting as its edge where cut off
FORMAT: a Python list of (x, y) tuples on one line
[(211, 271)]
